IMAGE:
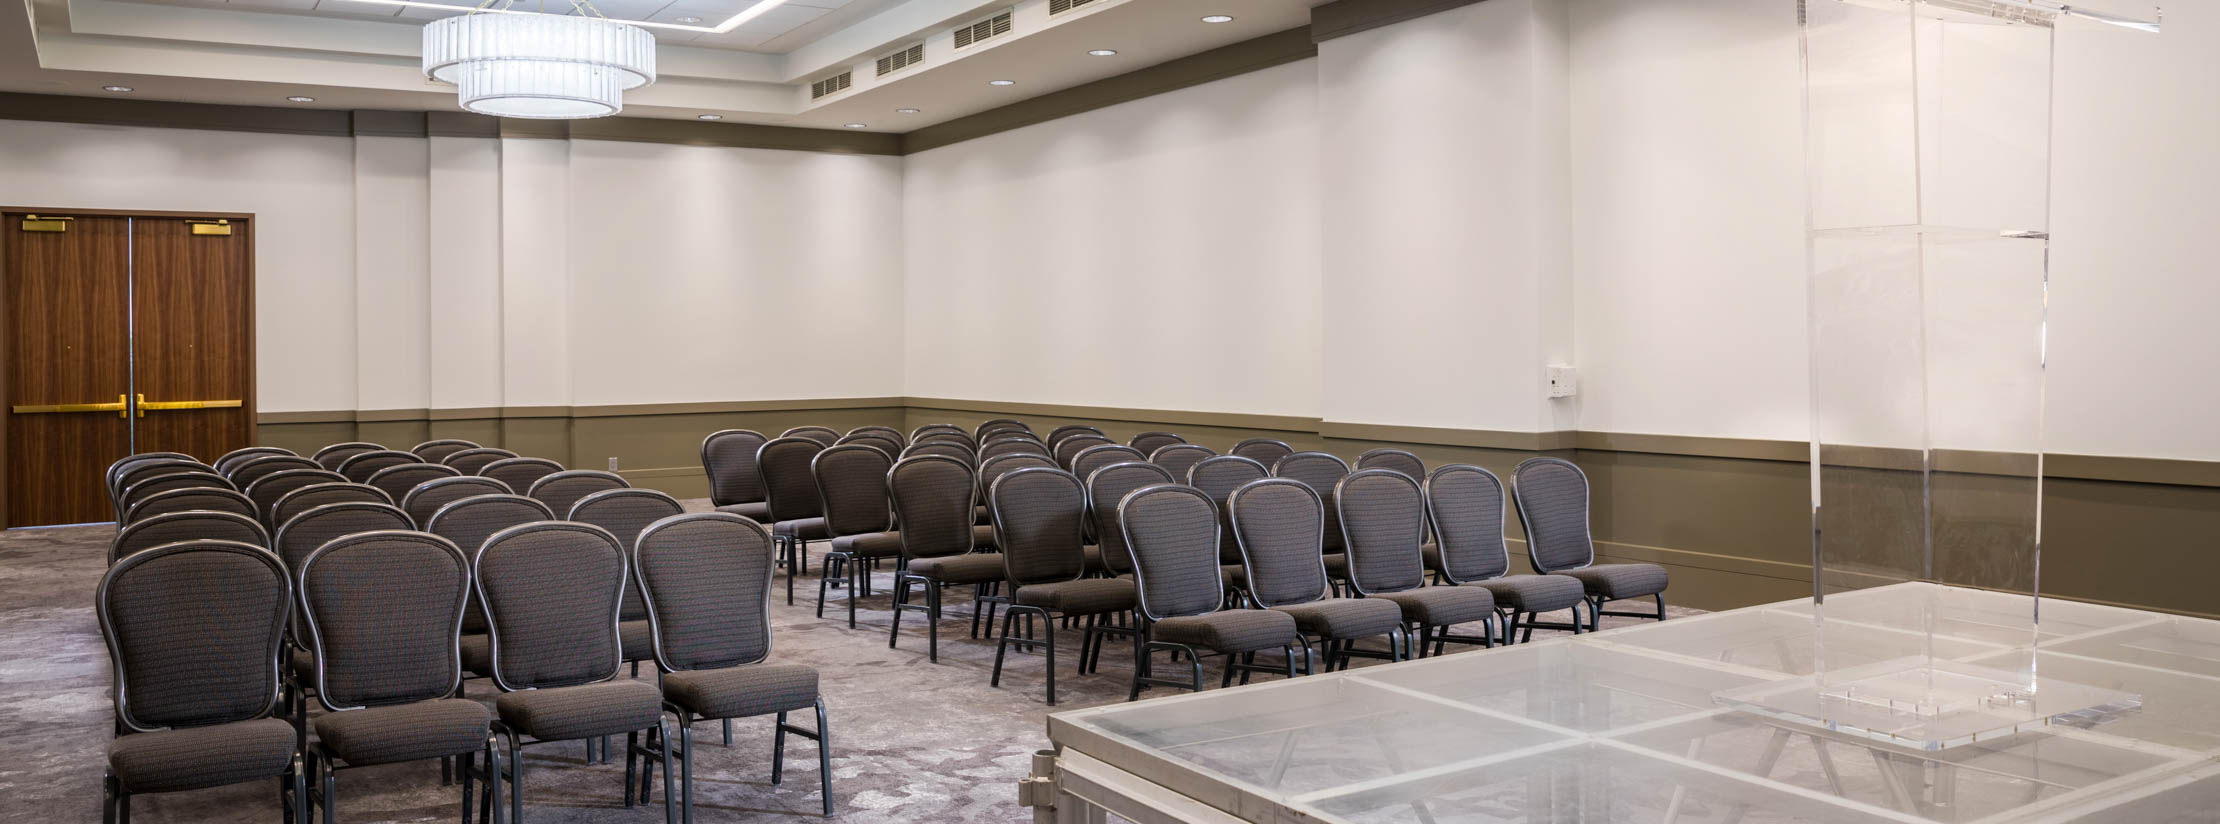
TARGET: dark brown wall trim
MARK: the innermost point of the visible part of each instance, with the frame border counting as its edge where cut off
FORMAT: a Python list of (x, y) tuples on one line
[(1194, 70), (389, 124), (105, 111), (1346, 17)]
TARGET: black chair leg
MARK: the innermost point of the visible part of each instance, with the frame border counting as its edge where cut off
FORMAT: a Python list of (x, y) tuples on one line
[(824, 758), (932, 620), (778, 748), (671, 799), (1001, 645)]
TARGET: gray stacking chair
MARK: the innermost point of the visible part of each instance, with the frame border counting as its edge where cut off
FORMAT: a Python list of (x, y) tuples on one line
[(129, 461), (1465, 505), (271, 488), (877, 440), (434, 451), (194, 631), (851, 481), (1266, 451), (1149, 442), (1552, 496), (563, 490), (468, 523), (1012, 446), (1323, 472), (427, 497), (889, 431), (1279, 525), (382, 610), (1067, 430), (552, 592), (1096, 457), (520, 473), (156, 530), (933, 498), (244, 473), (923, 429), (707, 578), (624, 512), (332, 456), (995, 425), (136, 472), (361, 465), (1180, 457), (996, 467), (823, 435), (213, 499), (728, 457), (1400, 460), (1171, 531), (1383, 516), (300, 538), (1070, 447), (399, 479), (947, 436), (243, 454), (1218, 477), (472, 461), (1040, 518), (1105, 488), (315, 495), (146, 487), (797, 513), (942, 448)]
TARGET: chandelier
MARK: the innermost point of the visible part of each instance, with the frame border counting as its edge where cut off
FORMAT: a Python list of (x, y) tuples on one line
[(548, 66)]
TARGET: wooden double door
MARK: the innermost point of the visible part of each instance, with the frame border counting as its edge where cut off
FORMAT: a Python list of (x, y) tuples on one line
[(125, 333)]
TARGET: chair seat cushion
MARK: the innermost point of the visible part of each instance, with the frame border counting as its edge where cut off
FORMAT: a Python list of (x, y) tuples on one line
[(1233, 630), (1093, 554), (1442, 606), (983, 515), (197, 757), (304, 667), (1617, 581), (870, 544), (808, 529), (1236, 576), (758, 511), (638, 639), (1533, 593), (982, 537), (477, 655), (743, 691), (976, 568), (1432, 554), (1086, 596), (583, 711), (407, 732), (1338, 619), (1337, 566)]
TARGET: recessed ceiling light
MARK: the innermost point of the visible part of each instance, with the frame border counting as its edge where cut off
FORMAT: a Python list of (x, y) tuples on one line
[(855, 125), (906, 111), (990, 83), (1219, 18), (709, 117), (1102, 52), (301, 99), (688, 20), (115, 88)]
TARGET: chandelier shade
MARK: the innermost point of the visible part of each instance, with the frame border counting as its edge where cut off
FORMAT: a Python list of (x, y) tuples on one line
[(539, 65)]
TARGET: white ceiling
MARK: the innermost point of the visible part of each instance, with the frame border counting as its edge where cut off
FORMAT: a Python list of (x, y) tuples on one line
[(349, 54)]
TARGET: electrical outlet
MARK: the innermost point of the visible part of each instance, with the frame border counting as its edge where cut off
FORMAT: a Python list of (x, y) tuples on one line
[(612, 464), (1564, 381)]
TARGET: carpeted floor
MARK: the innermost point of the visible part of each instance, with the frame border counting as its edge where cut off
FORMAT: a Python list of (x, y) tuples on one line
[(912, 741)]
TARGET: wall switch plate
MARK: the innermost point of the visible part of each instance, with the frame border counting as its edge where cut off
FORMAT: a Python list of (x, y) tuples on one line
[(612, 464), (1564, 381)]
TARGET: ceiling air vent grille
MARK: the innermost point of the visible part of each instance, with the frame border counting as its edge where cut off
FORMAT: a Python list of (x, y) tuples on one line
[(1060, 6), (902, 59), (832, 85), (995, 26)]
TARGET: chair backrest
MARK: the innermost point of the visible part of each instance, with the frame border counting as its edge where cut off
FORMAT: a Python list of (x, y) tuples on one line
[(1218, 476), (244, 473), (138, 472), (470, 521), (851, 481), (1180, 457), (788, 484), (383, 612), (271, 488), (1383, 522), (1397, 459), (942, 448), (624, 513), (946, 436), (1552, 496), (211, 499), (361, 465), (1001, 446), (156, 530), (309, 531), (878, 440), (242, 454), (1096, 457), (728, 456), (1070, 447), (332, 456), (398, 479), (995, 425), (148, 487), (551, 592), (922, 429), (563, 490), (1040, 525), (520, 473), (1171, 530), (891, 433), (992, 469), (194, 630), (1067, 430), (823, 435), (934, 498), (1323, 472), (434, 450), (332, 492), (427, 497), (1105, 488), (1280, 524), (1149, 442), (1464, 504), (128, 461), (1266, 451), (471, 461), (707, 580)]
